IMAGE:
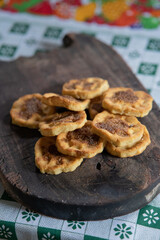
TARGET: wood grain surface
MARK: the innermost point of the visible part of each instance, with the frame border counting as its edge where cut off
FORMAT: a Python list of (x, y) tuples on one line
[(103, 186)]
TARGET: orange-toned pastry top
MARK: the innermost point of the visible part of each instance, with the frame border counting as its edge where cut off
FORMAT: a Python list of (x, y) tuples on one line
[(125, 101), (29, 110), (86, 88), (117, 129), (50, 161)]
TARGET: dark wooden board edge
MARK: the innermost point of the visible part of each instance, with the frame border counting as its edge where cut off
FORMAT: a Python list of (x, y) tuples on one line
[(74, 212)]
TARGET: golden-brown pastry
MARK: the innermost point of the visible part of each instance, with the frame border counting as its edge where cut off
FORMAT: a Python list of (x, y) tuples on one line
[(69, 102), (28, 111), (95, 106), (80, 142), (136, 149), (50, 161), (86, 88), (118, 130), (125, 101), (62, 122)]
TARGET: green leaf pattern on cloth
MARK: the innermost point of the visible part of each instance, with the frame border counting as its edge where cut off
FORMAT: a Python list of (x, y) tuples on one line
[(7, 229), (48, 236), (150, 216), (5, 232), (154, 45), (75, 224), (7, 50), (19, 28), (147, 68), (134, 54), (121, 41), (123, 231), (28, 215)]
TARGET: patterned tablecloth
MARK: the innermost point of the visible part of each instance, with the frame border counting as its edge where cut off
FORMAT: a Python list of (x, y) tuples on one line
[(23, 35)]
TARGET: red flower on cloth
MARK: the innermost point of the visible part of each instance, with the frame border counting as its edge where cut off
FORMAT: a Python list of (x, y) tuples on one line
[(127, 18), (43, 8)]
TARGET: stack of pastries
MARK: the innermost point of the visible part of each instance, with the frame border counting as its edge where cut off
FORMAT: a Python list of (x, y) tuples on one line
[(69, 137)]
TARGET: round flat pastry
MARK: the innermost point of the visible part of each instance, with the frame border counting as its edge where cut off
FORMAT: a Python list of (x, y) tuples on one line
[(65, 101), (86, 88), (136, 149), (50, 161), (119, 130), (95, 107), (28, 111), (62, 122), (80, 142), (125, 101)]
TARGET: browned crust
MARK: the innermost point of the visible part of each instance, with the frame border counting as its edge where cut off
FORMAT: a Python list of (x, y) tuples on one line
[(69, 102), (52, 127), (50, 161), (86, 88), (95, 106), (83, 144), (137, 103), (136, 149), (32, 120), (130, 133)]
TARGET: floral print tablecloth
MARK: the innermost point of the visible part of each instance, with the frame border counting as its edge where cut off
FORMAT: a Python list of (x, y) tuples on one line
[(134, 13), (23, 35)]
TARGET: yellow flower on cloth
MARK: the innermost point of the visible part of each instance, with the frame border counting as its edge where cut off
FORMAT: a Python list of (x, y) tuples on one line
[(85, 12), (113, 10), (1, 3)]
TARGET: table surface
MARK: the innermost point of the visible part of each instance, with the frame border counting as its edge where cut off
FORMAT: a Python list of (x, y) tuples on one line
[(23, 35)]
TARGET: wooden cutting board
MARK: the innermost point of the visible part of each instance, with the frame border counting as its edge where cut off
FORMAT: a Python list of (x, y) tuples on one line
[(102, 187)]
